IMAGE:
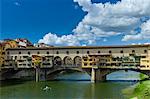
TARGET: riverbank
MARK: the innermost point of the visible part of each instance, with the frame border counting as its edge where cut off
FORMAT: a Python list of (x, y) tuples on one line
[(139, 91)]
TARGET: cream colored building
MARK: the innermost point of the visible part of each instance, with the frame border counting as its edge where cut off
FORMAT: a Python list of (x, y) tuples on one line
[(127, 55), (145, 63)]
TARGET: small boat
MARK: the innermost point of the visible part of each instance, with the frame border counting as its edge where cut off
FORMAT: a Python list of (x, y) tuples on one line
[(46, 88)]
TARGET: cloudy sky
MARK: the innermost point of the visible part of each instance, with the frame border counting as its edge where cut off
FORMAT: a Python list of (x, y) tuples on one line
[(76, 22)]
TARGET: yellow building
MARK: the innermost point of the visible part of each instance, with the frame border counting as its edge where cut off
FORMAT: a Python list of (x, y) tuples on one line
[(3, 46), (96, 60), (2, 55), (88, 61), (36, 60), (145, 63)]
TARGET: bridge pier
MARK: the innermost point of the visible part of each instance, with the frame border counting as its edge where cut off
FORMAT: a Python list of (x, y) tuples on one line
[(40, 74), (98, 75), (93, 75), (37, 74)]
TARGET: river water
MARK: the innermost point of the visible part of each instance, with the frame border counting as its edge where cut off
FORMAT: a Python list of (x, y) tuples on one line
[(78, 89)]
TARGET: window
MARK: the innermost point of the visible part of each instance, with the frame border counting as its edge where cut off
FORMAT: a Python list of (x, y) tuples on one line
[(145, 51), (47, 52), (67, 52), (3, 53), (57, 52), (77, 52), (19, 52), (90, 59), (143, 56), (88, 52), (133, 51), (85, 59), (110, 52), (91, 64), (15, 57), (38, 52), (85, 64), (25, 56), (28, 53), (99, 52), (121, 51), (8, 53)]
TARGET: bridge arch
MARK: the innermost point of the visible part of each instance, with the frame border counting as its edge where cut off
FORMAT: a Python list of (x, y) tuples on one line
[(68, 61), (102, 74), (56, 72), (77, 61), (57, 61)]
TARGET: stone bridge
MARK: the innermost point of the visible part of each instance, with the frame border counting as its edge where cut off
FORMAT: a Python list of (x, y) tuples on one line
[(97, 73), (96, 61)]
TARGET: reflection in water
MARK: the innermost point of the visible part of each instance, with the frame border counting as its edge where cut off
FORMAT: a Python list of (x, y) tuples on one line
[(93, 90), (63, 89), (124, 75)]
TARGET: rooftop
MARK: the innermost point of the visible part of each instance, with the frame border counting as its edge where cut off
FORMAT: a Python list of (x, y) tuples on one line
[(82, 47)]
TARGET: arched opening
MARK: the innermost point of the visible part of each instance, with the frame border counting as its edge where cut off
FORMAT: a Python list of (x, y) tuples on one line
[(67, 74), (78, 61), (126, 75), (68, 61), (57, 61)]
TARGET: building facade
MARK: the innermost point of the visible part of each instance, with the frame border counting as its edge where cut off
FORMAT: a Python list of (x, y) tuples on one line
[(84, 57)]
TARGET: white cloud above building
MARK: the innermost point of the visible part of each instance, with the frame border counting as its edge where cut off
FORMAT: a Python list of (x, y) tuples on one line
[(106, 20)]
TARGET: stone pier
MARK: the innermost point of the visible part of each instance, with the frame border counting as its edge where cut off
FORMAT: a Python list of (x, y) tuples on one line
[(98, 74)]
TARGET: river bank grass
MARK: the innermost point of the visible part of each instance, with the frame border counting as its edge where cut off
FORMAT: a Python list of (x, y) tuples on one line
[(141, 90)]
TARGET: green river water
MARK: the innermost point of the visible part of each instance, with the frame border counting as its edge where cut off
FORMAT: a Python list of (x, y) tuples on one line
[(18, 89)]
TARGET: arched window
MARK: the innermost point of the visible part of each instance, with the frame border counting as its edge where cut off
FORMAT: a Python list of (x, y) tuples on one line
[(145, 51), (99, 51), (57, 52), (77, 52), (121, 51), (133, 51), (19, 52), (110, 52), (38, 52), (88, 52), (47, 52), (67, 52), (28, 53)]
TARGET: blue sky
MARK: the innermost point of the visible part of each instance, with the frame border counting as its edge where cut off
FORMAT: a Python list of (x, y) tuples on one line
[(34, 19)]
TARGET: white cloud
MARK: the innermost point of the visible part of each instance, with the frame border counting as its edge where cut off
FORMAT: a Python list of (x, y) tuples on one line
[(144, 34), (66, 40), (17, 4), (105, 20), (104, 40)]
